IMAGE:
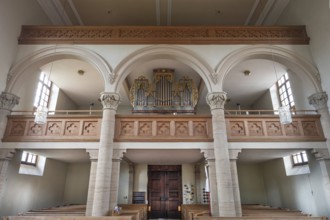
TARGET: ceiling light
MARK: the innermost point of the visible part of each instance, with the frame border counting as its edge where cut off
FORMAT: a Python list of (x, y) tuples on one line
[(247, 72), (81, 72)]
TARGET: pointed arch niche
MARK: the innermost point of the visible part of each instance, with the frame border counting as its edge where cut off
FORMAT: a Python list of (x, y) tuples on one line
[(247, 74), (63, 62)]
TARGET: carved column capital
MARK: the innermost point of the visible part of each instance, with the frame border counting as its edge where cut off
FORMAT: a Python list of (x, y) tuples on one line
[(8, 101), (318, 100), (321, 154), (7, 154), (118, 154), (93, 154), (233, 153), (110, 100), (216, 100)]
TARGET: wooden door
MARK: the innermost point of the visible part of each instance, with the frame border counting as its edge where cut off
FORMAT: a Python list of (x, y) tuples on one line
[(164, 191)]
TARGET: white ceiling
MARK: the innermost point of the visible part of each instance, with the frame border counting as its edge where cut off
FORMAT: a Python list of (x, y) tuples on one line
[(85, 89)]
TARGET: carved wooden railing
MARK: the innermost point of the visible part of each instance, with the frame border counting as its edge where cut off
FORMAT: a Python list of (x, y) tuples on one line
[(165, 128), (57, 128), (247, 128)]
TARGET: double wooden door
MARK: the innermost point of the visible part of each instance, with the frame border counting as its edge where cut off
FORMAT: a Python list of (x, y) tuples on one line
[(164, 191)]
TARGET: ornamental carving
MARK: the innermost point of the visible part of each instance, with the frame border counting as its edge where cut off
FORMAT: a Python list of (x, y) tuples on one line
[(54, 128), (273, 128), (110, 100), (145, 128), (72, 128), (90, 128), (237, 128), (216, 100), (318, 100), (255, 128), (199, 128), (8, 101), (127, 128), (17, 128), (292, 129), (35, 129), (181, 128), (163, 35), (163, 128), (309, 128)]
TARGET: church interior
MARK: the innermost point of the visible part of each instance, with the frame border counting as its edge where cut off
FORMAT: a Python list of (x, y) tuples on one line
[(164, 109)]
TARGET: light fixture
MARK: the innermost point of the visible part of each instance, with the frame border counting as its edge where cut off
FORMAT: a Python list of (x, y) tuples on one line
[(283, 111), (247, 72)]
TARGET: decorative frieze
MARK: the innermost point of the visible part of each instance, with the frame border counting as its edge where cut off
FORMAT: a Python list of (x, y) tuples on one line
[(164, 35)]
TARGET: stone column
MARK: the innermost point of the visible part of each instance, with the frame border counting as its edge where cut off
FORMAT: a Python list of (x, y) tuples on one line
[(5, 157), (7, 103), (233, 154), (93, 154), (319, 101), (101, 204), (116, 159), (213, 188), (217, 100), (323, 157)]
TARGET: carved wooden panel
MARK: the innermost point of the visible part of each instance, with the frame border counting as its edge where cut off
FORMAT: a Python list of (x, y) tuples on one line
[(255, 128), (200, 128), (163, 128), (310, 128), (292, 129), (273, 128), (181, 128), (145, 128), (237, 128), (57, 128), (127, 128), (164, 35)]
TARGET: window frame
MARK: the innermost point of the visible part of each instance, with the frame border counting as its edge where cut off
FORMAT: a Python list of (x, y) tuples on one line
[(284, 92), (301, 158), (26, 160), (43, 93)]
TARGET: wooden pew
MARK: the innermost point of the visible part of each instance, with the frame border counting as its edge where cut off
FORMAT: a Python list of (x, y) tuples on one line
[(142, 208), (188, 211), (67, 218)]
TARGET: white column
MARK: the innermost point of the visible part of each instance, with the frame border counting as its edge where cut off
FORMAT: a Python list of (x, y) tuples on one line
[(93, 154), (198, 188), (130, 183), (7, 103), (237, 197), (5, 157), (213, 188), (101, 204), (116, 159), (217, 100)]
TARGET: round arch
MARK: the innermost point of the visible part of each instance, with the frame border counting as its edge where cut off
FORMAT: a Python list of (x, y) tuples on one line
[(295, 63), (164, 52), (46, 55)]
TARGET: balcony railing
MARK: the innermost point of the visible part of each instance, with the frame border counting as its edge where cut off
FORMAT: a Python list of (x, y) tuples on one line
[(85, 125)]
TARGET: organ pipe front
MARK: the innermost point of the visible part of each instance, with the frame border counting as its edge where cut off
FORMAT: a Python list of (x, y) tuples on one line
[(164, 95)]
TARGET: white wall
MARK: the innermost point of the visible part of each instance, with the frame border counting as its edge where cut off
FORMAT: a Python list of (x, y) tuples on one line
[(251, 183), (264, 102), (316, 16), (25, 192), (188, 184), (299, 192), (76, 184), (13, 14), (140, 178), (123, 183), (64, 102)]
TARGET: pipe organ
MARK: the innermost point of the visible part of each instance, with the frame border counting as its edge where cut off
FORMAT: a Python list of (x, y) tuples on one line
[(164, 95)]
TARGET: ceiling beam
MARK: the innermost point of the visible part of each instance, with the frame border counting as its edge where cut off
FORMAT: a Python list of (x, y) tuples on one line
[(75, 12), (55, 12)]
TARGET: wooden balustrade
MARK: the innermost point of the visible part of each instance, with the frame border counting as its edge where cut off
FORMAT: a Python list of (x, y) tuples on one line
[(166, 128)]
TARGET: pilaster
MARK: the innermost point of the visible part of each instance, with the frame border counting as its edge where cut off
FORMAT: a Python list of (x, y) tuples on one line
[(233, 154), (93, 155), (6, 156), (116, 159), (226, 200), (101, 204)]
